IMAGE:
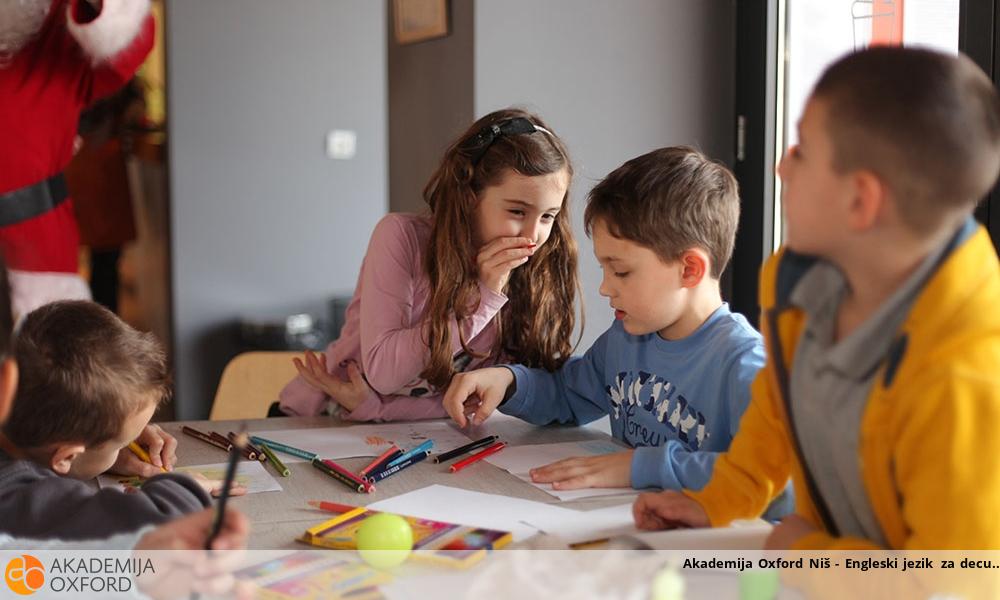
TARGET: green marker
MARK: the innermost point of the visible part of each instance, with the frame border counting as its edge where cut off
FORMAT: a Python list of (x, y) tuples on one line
[(277, 464)]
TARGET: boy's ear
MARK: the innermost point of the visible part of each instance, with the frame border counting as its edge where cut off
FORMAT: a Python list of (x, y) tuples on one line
[(694, 267), (8, 387), (869, 202), (64, 455)]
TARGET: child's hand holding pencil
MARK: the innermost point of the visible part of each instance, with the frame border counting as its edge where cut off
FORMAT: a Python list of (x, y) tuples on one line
[(195, 570), (153, 452)]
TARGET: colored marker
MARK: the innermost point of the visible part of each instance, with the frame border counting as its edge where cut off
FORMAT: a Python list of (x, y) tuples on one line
[(247, 452), (391, 470), (382, 465), (204, 437), (142, 454), (332, 507), (284, 448), (275, 462), (425, 447), (497, 447), (346, 473), (221, 439), (476, 445), (359, 486), (251, 451), (385, 457)]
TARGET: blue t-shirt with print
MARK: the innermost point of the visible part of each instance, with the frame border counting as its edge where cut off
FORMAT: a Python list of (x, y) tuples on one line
[(678, 403)]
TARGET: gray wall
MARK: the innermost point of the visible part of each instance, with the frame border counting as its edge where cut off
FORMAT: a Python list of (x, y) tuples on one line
[(262, 222), (615, 79), (430, 103)]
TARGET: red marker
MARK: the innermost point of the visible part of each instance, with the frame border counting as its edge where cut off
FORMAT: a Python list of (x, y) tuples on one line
[(331, 506), (497, 447)]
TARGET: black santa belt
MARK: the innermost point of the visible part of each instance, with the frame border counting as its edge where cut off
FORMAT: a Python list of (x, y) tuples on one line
[(33, 200)]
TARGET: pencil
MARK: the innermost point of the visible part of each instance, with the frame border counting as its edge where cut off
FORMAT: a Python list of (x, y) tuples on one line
[(204, 437), (234, 457), (249, 452), (425, 447), (486, 441), (275, 462), (385, 456), (142, 454), (395, 469), (285, 448), (344, 479), (497, 447), (332, 507)]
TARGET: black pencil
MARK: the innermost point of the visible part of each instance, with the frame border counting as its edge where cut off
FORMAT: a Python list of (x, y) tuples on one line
[(239, 443), (486, 441)]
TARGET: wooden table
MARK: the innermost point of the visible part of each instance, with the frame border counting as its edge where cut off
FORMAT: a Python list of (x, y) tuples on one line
[(279, 517)]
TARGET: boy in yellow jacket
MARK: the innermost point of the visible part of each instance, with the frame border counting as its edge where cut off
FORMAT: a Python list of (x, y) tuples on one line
[(881, 393)]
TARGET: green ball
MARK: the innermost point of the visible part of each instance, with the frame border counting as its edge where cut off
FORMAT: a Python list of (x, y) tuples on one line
[(667, 585), (385, 540), (762, 584)]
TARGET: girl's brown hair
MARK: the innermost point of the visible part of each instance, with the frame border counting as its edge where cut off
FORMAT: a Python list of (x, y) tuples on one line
[(536, 325)]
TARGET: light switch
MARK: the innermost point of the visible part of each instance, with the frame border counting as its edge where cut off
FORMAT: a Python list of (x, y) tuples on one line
[(341, 144)]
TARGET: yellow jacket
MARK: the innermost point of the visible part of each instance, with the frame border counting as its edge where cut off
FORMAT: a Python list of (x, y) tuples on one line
[(929, 444)]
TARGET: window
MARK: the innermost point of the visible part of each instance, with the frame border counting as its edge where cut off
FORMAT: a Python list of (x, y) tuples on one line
[(782, 46), (814, 33)]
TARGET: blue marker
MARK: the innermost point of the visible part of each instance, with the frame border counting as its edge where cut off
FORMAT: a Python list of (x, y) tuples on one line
[(425, 447), (412, 461), (284, 448)]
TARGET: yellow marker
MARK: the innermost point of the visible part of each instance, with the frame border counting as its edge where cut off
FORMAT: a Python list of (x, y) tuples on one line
[(138, 451), (277, 464)]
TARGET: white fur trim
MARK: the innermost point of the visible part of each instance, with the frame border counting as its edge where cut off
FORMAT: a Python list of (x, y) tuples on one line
[(112, 31), (30, 289)]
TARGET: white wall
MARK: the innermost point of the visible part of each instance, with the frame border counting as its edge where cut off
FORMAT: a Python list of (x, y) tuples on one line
[(615, 79), (262, 222)]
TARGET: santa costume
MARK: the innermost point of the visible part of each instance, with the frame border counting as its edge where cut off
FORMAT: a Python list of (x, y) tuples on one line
[(56, 58)]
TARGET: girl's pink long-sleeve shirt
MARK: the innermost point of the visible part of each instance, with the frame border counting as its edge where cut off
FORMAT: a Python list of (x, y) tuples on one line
[(384, 333)]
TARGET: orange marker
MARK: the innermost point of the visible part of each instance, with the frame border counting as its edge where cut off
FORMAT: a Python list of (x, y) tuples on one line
[(332, 507), (497, 447)]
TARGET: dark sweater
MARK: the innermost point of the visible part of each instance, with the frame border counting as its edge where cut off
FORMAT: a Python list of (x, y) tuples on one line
[(35, 502)]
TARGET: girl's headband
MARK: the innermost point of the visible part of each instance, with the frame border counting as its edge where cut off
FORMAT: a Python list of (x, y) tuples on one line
[(478, 144)]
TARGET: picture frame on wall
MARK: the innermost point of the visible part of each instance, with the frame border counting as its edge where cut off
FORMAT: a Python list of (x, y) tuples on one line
[(419, 20)]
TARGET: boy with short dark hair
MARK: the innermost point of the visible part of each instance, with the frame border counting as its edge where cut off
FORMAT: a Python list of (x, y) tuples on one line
[(187, 533), (673, 371), (88, 386), (881, 394)]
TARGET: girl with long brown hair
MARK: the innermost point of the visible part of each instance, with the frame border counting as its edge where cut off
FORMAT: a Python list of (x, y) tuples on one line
[(488, 276)]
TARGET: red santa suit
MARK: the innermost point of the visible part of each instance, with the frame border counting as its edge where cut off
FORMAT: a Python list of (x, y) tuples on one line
[(74, 59)]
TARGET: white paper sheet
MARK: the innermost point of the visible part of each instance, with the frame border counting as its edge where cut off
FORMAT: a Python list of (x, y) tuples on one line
[(523, 518), (249, 473), (366, 440), (518, 460), (585, 526), (742, 535)]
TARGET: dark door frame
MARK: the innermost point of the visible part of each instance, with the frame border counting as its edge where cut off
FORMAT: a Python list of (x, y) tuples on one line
[(755, 89)]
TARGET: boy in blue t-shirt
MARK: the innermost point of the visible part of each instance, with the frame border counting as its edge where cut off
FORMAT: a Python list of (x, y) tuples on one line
[(674, 370)]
